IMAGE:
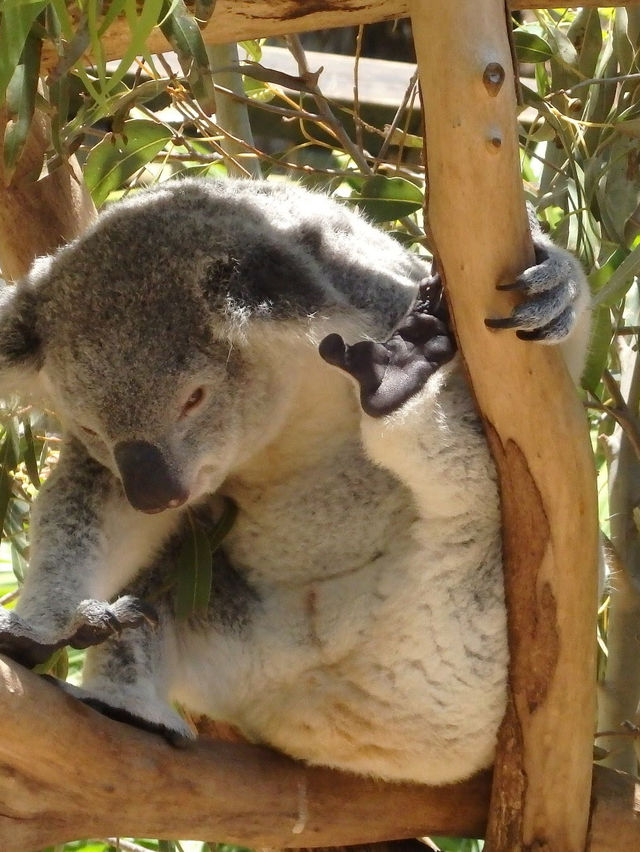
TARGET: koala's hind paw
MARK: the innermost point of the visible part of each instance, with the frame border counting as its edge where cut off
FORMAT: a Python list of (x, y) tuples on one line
[(95, 621), (391, 372), (554, 290), (159, 718), (20, 642)]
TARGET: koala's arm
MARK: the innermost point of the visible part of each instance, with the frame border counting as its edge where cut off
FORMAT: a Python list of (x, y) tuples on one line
[(418, 414), (86, 543), (556, 301)]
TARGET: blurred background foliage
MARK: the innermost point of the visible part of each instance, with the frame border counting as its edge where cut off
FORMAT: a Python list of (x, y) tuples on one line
[(296, 108)]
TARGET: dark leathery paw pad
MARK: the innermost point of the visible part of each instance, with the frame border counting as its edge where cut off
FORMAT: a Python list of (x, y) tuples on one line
[(391, 372)]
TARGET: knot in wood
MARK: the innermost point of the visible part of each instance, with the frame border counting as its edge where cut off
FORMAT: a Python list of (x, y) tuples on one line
[(493, 78)]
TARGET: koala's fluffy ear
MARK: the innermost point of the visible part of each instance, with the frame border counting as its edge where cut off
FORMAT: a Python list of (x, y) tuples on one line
[(20, 346), (268, 281)]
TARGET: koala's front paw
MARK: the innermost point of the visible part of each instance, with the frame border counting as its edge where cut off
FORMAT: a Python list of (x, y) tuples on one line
[(22, 643), (142, 711), (391, 372), (555, 292), (95, 621)]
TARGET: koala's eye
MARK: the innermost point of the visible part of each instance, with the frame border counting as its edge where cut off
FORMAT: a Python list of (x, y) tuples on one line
[(193, 402)]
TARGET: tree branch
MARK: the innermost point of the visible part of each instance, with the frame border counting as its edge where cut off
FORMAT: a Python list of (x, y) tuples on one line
[(536, 428), (68, 772), (237, 20)]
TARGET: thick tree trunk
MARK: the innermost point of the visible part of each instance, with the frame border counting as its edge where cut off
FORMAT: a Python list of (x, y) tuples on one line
[(535, 426)]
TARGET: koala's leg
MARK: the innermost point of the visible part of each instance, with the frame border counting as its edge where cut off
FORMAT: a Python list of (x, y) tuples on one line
[(86, 543), (128, 678)]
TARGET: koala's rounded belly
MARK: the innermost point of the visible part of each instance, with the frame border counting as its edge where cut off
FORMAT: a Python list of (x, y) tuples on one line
[(325, 674)]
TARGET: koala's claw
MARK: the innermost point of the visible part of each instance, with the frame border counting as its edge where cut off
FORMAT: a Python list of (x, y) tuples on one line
[(92, 623), (95, 621), (553, 289), (391, 372), (21, 643)]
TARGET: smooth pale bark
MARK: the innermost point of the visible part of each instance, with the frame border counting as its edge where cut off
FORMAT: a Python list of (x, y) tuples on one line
[(236, 20), (68, 772), (536, 428)]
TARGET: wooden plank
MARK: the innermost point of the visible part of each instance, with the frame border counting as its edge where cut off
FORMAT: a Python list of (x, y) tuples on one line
[(236, 20), (536, 427)]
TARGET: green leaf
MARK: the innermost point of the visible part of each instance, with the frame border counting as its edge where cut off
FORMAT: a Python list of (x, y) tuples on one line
[(112, 161), (600, 340), (385, 199), (9, 450), (29, 453), (181, 30), (21, 102), (194, 574), (257, 91), (253, 49), (219, 531), (620, 280), (585, 33), (531, 47), (17, 18)]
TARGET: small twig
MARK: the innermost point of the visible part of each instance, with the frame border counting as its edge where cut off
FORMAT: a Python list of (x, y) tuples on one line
[(356, 92), (396, 119), (124, 845), (595, 81), (9, 597), (356, 154)]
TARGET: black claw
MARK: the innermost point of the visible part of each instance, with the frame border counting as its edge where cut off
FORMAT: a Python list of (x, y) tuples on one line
[(515, 285), (501, 322), (536, 334)]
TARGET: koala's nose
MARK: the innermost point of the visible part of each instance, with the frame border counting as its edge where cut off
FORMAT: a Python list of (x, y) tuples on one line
[(148, 481)]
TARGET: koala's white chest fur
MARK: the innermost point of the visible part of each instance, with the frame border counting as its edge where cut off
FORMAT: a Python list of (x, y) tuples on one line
[(366, 649)]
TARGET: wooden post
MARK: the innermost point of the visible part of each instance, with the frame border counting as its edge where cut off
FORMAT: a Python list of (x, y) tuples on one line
[(535, 426)]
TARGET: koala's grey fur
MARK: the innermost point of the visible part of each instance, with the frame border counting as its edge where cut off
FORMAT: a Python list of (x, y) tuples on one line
[(357, 615)]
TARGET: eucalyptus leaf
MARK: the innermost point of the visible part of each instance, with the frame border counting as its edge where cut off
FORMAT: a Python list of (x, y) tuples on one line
[(182, 32), (253, 48), (29, 453), (620, 280), (112, 160), (531, 47), (18, 17), (386, 199), (194, 574), (20, 104), (599, 343), (585, 33), (9, 449)]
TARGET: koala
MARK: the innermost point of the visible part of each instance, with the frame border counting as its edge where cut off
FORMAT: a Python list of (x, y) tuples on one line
[(193, 345)]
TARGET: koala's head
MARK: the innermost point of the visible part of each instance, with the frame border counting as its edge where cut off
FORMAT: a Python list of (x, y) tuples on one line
[(168, 337)]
